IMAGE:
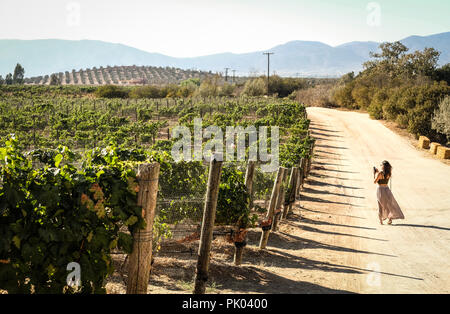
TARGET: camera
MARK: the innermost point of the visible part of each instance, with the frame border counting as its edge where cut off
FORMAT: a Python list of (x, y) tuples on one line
[(375, 170)]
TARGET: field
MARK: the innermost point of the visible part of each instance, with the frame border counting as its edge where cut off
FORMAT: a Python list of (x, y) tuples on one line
[(121, 75), (70, 181)]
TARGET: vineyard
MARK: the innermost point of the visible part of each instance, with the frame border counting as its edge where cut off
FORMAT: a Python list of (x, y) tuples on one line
[(121, 75), (92, 181)]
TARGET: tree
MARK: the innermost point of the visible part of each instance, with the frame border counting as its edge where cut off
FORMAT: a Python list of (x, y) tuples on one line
[(208, 87), (19, 73), (2, 81), (443, 73), (388, 59), (54, 80), (9, 79), (441, 119)]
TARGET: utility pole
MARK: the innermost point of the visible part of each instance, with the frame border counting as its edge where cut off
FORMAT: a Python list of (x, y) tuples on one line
[(234, 75), (226, 74), (268, 69)]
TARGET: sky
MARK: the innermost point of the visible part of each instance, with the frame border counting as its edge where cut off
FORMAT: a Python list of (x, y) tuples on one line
[(188, 28)]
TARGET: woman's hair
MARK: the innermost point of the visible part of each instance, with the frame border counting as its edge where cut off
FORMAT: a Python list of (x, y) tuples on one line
[(387, 168)]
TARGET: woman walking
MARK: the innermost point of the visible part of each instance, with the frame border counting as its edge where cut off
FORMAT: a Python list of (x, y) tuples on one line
[(388, 207)]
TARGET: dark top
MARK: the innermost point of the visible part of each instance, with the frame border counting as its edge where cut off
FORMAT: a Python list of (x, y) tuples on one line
[(384, 180)]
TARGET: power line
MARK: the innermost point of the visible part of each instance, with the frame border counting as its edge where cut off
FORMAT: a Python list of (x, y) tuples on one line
[(268, 69)]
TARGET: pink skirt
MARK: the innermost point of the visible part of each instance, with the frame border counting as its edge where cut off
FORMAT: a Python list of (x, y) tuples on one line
[(387, 205)]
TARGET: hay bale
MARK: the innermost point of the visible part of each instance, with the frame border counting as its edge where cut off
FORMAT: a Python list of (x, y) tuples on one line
[(434, 147), (424, 142), (443, 152)]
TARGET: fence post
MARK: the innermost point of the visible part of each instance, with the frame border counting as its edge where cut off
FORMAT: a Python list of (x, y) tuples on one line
[(249, 175), (310, 158), (239, 246), (301, 176), (141, 256), (209, 215), (280, 202), (271, 209), (292, 191)]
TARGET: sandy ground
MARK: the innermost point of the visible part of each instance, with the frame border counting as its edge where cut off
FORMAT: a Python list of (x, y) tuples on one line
[(413, 255), (332, 242)]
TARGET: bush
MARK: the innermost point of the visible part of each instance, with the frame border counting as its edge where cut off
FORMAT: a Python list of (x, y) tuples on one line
[(441, 118), (111, 91), (343, 97), (361, 95), (54, 215), (376, 105), (145, 92), (255, 87), (233, 204)]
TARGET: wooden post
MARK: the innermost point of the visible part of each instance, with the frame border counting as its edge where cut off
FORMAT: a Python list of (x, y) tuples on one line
[(271, 209), (141, 256), (304, 167), (209, 215), (292, 192), (300, 176), (311, 157), (249, 175), (280, 201)]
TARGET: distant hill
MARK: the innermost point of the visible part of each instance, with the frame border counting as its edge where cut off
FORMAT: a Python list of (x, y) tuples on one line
[(122, 75), (304, 58)]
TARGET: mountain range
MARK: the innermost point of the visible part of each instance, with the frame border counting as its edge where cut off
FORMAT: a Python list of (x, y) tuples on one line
[(295, 58)]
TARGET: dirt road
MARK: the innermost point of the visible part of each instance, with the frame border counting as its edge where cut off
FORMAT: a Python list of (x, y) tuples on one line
[(413, 255)]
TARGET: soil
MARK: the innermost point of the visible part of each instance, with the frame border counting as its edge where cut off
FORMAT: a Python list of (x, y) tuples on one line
[(332, 241)]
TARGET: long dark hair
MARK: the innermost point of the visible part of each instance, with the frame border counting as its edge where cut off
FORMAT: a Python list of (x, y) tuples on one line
[(387, 169)]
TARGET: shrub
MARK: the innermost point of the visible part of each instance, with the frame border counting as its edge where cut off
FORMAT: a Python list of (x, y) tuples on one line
[(441, 118), (343, 97), (145, 92), (111, 91), (233, 204), (255, 87)]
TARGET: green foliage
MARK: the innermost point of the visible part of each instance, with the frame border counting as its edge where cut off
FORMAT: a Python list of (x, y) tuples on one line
[(145, 92), (343, 97), (233, 204), (111, 91), (9, 79), (54, 80), (398, 86), (283, 87), (208, 87), (441, 118), (255, 87), (227, 90), (19, 74), (443, 73), (55, 214)]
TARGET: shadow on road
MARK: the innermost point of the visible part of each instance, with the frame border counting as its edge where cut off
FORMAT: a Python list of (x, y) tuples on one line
[(422, 226), (332, 147), (319, 183)]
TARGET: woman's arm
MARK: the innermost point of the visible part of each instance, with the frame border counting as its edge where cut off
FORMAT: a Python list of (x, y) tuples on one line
[(380, 174)]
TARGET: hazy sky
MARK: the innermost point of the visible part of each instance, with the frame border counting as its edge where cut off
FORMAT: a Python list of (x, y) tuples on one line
[(184, 28)]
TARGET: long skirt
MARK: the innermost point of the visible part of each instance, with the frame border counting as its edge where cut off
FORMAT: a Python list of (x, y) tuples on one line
[(387, 205)]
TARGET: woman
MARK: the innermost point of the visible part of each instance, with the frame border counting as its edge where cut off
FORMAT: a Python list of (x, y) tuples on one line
[(387, 205)]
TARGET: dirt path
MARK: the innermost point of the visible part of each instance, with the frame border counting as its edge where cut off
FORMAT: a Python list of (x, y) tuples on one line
[(332, 242), (413, 256)]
